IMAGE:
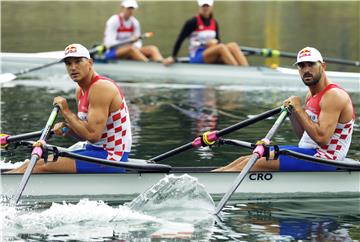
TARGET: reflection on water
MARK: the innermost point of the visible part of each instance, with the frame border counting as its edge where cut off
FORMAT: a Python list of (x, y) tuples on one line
[(164, 118), (303, 220)]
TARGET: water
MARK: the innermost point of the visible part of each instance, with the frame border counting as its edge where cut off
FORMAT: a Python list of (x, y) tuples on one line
[(172, 112), (146, 216), (178, 208), (179, 114), (165, 117)]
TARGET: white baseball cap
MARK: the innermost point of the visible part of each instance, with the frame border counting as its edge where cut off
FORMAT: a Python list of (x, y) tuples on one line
[(205, 2), (129, 4), (309, 54), (76, 50)]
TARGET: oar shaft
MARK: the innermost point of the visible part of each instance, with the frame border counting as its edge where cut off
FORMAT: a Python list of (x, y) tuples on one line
[(35, 134), (238, 143), (257, 153), (248, 122), (36, 154), (36, 68), (122, 43), (172, 152), (277, 124), (220, 133), (268, 52), (25, 178), (236, 183), (47, 130)]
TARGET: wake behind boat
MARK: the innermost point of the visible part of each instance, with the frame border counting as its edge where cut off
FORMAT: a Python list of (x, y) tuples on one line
[(204, 74)]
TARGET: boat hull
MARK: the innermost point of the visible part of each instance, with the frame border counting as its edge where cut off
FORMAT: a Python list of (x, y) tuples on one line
[(256, 184), (203, 74)]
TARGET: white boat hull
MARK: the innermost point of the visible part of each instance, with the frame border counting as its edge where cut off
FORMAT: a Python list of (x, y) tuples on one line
[(256, 184), (204, 74)]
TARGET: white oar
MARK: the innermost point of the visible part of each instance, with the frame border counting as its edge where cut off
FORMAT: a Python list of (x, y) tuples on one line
[(36, 154), (7, 77), (257, 153)]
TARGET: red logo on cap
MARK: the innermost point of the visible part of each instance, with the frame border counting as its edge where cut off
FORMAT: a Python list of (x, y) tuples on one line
[(304, 53), (70, 49)]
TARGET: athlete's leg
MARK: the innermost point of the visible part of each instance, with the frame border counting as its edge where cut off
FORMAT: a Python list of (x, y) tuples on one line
[(62, 165), (130, 52), (260, 165), (152, 52), (219, 52), (237, 53)]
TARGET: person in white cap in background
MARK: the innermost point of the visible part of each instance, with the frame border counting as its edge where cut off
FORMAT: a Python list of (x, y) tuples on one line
[(123, 27), (204, 40), (102, 120), (324, 126)]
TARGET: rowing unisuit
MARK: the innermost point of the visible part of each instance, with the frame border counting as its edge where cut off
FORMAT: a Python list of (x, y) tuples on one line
[(125, 29), (340, 141), (116, 137), (202, 33), (192, 28)]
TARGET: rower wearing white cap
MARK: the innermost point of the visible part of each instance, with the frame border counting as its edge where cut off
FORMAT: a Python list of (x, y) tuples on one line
[(324, 126), (205, 45), (103, 121), (123, 27)]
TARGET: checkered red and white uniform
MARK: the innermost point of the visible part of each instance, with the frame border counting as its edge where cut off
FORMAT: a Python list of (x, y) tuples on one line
[(340, 141), (116, 137)]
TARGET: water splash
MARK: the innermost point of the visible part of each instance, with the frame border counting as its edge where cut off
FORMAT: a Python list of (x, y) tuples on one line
[(180, 199), (183, 213), (173, 193)]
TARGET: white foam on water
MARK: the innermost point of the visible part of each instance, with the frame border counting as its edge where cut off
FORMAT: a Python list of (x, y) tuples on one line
[(84, 221), (5, 165), (179, 214)]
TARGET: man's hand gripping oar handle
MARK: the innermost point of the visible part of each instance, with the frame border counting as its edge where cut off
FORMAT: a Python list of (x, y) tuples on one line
[(258, 152)]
